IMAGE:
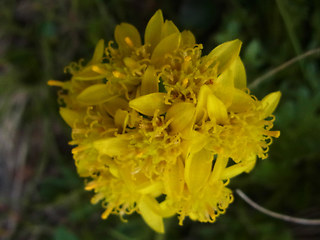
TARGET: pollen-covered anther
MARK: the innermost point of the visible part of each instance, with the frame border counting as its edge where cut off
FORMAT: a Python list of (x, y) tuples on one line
[(185, 82), (187, 58), (140, 154), (98, 69), (129, 42), (118, 74)]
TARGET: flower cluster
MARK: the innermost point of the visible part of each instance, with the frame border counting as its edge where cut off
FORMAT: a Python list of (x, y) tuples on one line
[(158, 128)]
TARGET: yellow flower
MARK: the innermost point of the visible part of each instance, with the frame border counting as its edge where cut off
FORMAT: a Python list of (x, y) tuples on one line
[(156, 118)]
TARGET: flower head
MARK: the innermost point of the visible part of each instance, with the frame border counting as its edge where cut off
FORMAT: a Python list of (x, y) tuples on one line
[(156, 118)]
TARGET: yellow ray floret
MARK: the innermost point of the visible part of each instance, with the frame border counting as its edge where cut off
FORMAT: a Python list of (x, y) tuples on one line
[(157, 119)]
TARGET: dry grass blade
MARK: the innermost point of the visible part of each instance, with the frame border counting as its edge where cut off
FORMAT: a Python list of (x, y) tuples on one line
[(274, 71), (275, 214)]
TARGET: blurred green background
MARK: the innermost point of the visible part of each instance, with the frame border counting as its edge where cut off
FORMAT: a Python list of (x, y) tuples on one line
[(41, 196)]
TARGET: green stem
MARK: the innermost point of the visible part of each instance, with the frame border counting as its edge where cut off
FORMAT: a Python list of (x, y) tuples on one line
[(274, 71)]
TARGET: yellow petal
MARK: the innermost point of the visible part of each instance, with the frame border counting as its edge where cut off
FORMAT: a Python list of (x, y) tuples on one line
[(150, 212), (217, 111), (87, 74), (187, 38), (126, 175), (241, 101), (197, 169), (95, 94), (236, 169), (114, 104), (131, 63), (173, 179), (145, 185), (98, 53), (224, 87), (113, 168), (113, 146), (233, 171), (127, 37), (198, 141), (153, 31), (70, 116), (225, 54), (182, 115), (168, 28), (204, 92), (149, 82), (219, 166), (151, 188), (251, 163), (270, 102), (239, 72), (166, 208), (148, 104), (121, 119), (167, 46)]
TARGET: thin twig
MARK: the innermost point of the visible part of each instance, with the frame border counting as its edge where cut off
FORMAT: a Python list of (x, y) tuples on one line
[(272, 72), (277, 215)]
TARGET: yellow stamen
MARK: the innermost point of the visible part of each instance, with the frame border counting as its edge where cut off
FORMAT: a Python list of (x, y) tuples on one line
[(90, 186), (106, 213), (275, 134), (78, 149), (73, 142)]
